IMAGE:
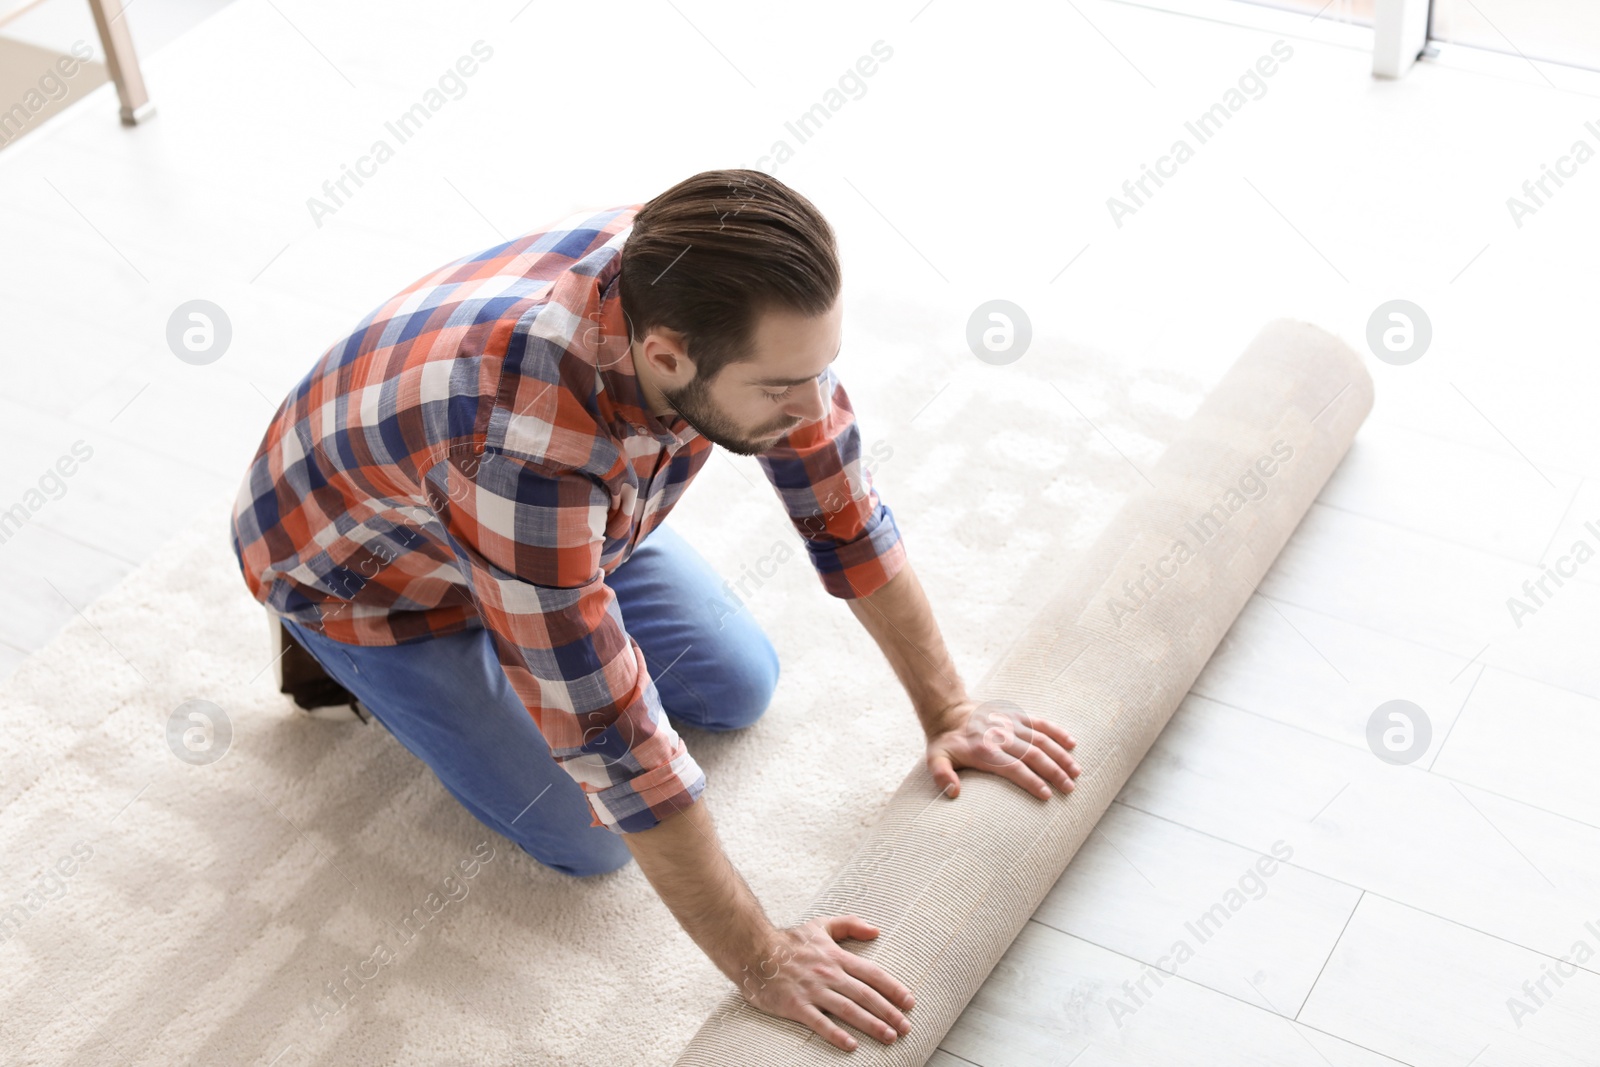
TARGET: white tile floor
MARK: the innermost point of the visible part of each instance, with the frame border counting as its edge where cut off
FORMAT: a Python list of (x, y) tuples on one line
[(1416, 900)]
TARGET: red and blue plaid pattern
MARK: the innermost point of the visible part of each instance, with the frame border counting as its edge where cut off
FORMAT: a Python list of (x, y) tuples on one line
[(479, 447)]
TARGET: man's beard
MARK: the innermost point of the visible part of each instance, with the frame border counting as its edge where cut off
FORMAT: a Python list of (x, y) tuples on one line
[(694, 405)]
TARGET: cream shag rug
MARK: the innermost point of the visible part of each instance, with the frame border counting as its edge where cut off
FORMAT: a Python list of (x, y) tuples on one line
[(155, 911)]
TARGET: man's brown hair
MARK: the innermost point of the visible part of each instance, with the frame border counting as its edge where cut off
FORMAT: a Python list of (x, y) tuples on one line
[(711, 254)]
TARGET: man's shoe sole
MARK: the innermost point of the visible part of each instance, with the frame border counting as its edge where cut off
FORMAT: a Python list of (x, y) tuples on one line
[(355, 711)]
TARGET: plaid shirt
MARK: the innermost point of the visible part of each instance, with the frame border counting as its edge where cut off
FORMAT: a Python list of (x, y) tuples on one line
[(479, 448)]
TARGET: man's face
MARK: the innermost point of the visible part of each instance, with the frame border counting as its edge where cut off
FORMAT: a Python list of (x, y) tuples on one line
[(750, 405)]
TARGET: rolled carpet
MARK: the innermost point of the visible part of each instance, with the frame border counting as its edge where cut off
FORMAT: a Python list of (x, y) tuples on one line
[(950, 883)]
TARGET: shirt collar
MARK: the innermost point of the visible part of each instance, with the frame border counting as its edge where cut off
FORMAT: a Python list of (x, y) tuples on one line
[(613, 354)]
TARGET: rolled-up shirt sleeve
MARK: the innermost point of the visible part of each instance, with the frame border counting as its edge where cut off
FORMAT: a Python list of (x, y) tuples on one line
[(529, 540), (849, 532)]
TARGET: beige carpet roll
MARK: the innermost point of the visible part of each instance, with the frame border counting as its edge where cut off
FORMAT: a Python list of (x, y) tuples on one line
[(951, 883)]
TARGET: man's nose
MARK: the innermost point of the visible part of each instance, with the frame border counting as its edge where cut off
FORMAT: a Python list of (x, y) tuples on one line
[(808, 406)]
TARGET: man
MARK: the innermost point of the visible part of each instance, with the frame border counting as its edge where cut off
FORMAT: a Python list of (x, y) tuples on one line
[(458, 513)]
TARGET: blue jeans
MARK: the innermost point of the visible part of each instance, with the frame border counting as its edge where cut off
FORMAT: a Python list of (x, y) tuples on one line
[(449, 702)]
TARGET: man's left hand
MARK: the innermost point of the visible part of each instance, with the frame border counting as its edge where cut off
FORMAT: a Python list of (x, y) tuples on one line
[(1000, 738)]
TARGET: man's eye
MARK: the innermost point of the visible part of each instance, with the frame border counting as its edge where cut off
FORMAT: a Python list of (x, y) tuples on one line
[(775, 397)]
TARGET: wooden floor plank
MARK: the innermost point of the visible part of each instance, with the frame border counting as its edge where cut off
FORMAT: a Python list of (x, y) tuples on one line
[(1442, 595), (1435, 994), (1531, 741), (45, 580), (1328, 676), (1414, 481), (1489, 863), (104, 491), (1196, 906), (1054, 997), (10, 659)]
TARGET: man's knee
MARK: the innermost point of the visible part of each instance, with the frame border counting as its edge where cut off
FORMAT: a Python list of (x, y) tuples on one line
[(743, 691), (587, 865)]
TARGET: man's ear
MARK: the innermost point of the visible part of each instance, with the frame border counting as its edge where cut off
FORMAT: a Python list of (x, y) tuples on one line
[(668, 356)]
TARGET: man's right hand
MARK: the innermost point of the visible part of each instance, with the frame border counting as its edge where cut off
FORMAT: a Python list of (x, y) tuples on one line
[(799, 973), (805, 975)]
